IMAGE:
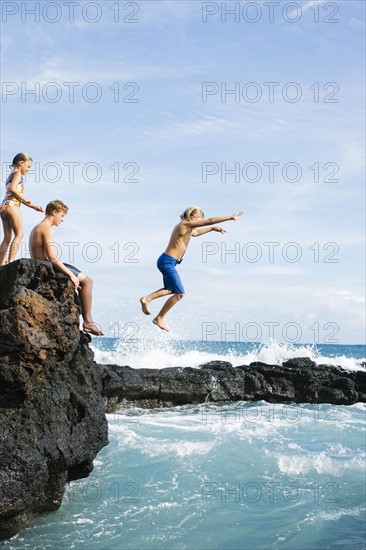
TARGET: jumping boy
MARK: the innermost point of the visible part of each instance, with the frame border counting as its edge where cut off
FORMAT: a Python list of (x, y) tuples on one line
[(192, 219), (41, 245)]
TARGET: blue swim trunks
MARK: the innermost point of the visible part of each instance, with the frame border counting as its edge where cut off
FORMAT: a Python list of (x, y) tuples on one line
[(166, 265)]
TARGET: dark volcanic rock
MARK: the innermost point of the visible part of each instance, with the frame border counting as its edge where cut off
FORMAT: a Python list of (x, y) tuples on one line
[(52, 421), (298, 362), (298, 380)]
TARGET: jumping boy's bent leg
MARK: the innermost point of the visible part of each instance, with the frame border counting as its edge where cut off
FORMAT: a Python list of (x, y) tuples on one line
[(159, 319), (172, 285), (85, 293), (145, 300)]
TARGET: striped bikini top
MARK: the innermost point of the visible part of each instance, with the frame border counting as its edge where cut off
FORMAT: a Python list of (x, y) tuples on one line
[(9, 195)]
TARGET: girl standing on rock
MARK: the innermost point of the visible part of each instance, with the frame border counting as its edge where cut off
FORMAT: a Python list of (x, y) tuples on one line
[(9, 208)]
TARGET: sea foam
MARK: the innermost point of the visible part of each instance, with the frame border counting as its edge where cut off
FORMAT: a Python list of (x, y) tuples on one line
[(161, 354)]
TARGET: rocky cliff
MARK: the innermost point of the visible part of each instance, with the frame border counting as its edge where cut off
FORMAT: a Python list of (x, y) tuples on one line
[(52, 421)]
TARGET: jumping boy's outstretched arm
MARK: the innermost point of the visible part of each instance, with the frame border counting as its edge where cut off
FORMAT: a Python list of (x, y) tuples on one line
[(211, 221), (204, 230)]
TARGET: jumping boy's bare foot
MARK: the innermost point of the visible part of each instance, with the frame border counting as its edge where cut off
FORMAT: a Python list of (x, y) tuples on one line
[(144, 305), (160, 323), (92, 328)]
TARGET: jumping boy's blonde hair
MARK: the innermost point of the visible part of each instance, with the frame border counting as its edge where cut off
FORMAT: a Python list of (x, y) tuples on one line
[(191, 211), (57, 205)]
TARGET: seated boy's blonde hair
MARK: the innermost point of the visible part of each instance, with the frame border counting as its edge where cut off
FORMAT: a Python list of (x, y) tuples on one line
[(57, 205), (191, 211)]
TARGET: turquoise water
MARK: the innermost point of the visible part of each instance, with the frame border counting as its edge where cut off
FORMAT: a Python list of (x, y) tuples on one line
[(232, 476)]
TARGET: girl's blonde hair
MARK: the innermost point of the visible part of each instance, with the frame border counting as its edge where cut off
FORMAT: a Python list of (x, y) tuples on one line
[(191, 211), (19, 158)]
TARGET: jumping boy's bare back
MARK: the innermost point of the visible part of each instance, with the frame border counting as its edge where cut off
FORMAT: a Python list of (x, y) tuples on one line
[(193, 224)]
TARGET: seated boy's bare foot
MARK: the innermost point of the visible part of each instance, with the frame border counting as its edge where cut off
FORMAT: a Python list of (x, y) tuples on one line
[(92, 328), (160, 323), (144, 304)]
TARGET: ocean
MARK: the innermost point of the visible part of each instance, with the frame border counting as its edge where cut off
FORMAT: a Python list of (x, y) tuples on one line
[(218, 476)]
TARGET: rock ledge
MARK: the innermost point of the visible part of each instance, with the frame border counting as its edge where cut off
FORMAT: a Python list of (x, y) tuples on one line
[(298, 380)]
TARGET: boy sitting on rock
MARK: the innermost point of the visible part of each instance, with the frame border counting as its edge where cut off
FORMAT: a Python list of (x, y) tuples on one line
[(42, 247)]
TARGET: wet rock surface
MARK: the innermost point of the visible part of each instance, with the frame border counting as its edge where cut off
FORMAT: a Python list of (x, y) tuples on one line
[(52, 417), (298, 380)]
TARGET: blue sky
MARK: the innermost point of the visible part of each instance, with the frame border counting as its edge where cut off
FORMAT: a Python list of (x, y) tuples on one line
[(163, 131)]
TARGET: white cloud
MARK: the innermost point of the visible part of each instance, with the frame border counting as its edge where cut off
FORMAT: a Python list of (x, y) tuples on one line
[(58, 69), (204, 126), (274, 270), (357, 23), (347, 296)]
